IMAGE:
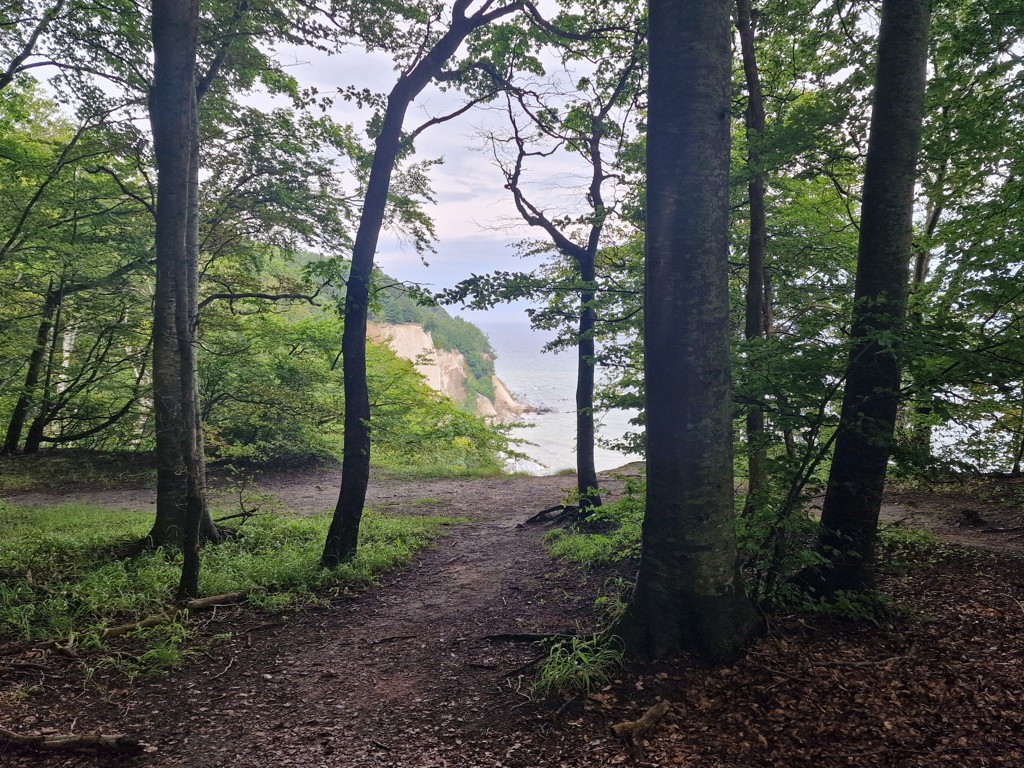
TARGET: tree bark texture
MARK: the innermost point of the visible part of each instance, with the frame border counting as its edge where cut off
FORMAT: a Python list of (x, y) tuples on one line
[(756, 319), (45, 405), (587, 487), (688, 596), (853, 498), (172, 114)]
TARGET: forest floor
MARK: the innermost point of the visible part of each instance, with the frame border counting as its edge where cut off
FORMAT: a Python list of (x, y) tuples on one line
[(431, 668)]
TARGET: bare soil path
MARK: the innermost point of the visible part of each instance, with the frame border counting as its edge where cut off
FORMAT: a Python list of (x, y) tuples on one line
[(401, 675), (427, 670)]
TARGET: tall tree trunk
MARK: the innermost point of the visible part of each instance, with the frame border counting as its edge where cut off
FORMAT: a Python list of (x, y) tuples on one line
[(756, 320), (207, 528), (921, 392), (586, 471), (19, 416), (172, 113), (849, 519), (689, 596), (1018, 453), (343, 535)]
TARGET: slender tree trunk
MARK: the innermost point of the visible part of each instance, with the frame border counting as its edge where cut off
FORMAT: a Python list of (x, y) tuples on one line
[(921, 393), (755, 325), (689, 596), (586, 472), (207, 528), (343, 535), (853, 498), (19, 415), (36, 430)]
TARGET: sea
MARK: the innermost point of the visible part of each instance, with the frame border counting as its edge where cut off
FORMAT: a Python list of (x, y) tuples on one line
[(547, 381)]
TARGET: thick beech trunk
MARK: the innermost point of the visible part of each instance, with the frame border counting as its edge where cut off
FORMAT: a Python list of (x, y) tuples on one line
[(172, 113), (688, 596), (853, 498)]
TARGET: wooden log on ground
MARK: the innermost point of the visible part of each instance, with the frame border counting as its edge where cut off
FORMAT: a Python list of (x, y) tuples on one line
[(113, 742)]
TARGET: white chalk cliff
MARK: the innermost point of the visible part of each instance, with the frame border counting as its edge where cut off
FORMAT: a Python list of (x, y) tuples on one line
[(444, 370)]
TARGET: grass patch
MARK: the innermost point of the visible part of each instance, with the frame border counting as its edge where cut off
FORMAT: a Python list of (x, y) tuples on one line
[(609, 535), (67, 467), (579, 665), (426, 471), (61, 578)]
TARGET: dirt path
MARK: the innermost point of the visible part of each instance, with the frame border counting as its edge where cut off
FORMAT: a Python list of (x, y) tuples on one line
[(427, 670), (406, 674)]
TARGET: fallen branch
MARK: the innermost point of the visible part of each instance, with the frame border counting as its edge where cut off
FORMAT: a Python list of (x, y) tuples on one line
[(245, 514), (633, 731), (115, 742), (202, 603)]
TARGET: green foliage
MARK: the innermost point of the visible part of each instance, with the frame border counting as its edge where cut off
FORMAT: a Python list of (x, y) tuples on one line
[(901, 547), (72, 467), (65, 577), (579, 665), (851, 606)]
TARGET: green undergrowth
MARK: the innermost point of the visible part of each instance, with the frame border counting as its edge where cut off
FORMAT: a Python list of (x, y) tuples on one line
[(579, 665), (397, 468), (609, 535), (612, 534), (63, 577), (70, 467), (901, 547)]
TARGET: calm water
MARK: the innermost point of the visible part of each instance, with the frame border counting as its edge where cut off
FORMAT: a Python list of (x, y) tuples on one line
[(548, 381)]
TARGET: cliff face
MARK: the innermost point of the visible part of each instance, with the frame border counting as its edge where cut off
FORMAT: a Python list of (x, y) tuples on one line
[(444, 370)]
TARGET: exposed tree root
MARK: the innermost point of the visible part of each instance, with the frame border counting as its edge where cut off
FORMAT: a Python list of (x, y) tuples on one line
[(560, 514)]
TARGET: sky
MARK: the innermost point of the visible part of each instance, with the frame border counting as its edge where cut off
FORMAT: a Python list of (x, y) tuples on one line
[(475, 219)]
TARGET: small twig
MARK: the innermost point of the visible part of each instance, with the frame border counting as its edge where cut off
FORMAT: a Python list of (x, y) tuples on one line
[(562, 707), (225, 670), (870, 663), (523, 637), (245, 514)]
